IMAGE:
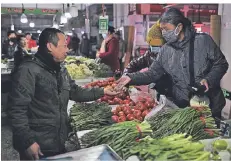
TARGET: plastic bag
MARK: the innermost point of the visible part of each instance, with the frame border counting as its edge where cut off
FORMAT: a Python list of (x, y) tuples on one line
[(164, 103), (137, 96)]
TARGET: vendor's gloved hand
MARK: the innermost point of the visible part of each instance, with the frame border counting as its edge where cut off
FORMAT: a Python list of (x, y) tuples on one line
[(122, 82), (34, 151)]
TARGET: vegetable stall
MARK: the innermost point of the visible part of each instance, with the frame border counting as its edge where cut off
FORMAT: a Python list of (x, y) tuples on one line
[(134, 129)]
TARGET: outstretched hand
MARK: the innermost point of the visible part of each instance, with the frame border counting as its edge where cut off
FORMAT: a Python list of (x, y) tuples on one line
[(111, 92), (122, 82)]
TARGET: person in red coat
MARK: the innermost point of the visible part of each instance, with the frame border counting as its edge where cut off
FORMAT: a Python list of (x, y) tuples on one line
[(109, 51)]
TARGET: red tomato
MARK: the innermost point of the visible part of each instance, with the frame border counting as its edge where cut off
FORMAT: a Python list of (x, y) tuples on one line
[(128, 111), (114, 112), (132, 103), (116, 100), (148, 104), (121, 113), (130, 117), (121, 102), (122, 119), (126, 101), (118, 109), (137, 113), (111, 79), (126, 108), (140, 118), (140, 106), (136, 108), (115, 118), (145, 113)]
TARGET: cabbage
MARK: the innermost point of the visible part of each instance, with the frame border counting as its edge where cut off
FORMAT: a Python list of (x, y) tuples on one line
[(199, 101)]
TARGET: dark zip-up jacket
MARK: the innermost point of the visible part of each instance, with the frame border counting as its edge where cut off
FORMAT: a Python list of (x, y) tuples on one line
[(209, 64), (38, 103)]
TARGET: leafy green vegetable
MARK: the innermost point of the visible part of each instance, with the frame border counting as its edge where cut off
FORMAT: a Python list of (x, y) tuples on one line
[(85, 116)]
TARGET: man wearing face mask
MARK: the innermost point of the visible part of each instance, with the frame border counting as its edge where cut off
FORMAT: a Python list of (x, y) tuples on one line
[(9, 45), (109, 51), (21, 53), (191, 59)]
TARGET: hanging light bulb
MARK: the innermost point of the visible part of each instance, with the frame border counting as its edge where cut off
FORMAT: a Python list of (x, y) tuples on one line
[(63, 19), (24, 18), (74, 10), (12, 27), (39, 31), (67, 13), (20, 31), (31, 24), (12, 24)]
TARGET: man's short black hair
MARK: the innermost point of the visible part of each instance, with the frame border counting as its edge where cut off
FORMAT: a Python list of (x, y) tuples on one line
[(111, 29), (10, 32), (49, 35), (118, 33), (27, 34)]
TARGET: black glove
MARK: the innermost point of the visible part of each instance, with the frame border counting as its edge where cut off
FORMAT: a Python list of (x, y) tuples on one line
[(198, 89)]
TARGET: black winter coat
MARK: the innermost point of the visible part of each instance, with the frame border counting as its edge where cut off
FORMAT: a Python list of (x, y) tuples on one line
[(38, 102)]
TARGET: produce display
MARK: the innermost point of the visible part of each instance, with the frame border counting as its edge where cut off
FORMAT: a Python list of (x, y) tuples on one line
[(120, 137), (170, 134), (122, 98), (85, 116), (196, 122), (173, 147), (81, 67), (136, 111), (4, 61), (78, 71)]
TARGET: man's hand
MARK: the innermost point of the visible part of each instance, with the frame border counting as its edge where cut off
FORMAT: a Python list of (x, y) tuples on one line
[(34, 151), (110, 92), (205, 83), (123, 81)]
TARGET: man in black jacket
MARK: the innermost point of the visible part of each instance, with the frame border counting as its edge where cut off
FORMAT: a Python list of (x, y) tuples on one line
[(9, 45), (41, 88)]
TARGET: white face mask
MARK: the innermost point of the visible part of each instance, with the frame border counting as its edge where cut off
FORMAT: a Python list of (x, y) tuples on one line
[(104, 36), (155, 49)]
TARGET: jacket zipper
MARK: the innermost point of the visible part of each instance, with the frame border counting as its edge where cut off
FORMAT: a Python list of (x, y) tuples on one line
[(60, 104)]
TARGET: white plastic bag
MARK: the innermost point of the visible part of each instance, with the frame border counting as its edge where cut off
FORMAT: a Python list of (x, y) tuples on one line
[(164, 103)]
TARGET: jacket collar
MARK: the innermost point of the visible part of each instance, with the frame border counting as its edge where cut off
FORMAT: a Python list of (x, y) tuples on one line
[(47, 59), (188, 34)]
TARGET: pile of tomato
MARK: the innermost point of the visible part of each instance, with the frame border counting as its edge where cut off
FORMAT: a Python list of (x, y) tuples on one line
[(137, 111)]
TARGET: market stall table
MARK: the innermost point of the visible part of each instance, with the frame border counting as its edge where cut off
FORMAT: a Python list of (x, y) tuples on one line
[(97, 153)]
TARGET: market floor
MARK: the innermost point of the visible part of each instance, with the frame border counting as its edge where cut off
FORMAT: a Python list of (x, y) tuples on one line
[(7, 150)]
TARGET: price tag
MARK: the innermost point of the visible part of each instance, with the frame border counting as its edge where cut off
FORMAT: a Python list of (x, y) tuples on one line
[(103, 24)]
